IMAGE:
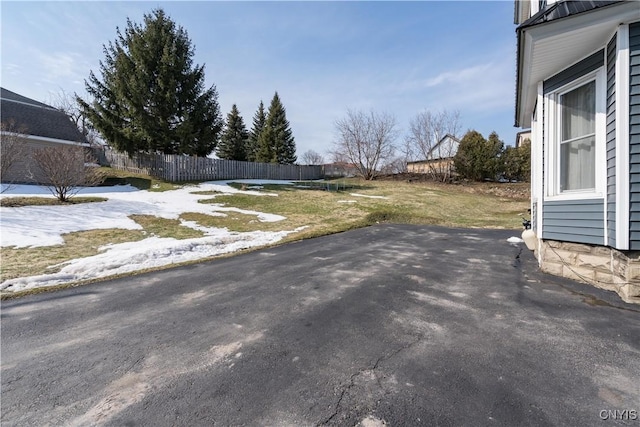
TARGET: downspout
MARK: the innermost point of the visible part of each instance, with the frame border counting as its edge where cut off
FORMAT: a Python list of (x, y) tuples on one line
[(518, 85)]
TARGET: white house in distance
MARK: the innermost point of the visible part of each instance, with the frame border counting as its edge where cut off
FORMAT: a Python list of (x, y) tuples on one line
[(33, 125), (578, 89)]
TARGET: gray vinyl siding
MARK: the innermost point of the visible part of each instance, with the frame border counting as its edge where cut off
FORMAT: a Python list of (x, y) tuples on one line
[(611, 142), (574, 72), (634, 136), (579, 221)]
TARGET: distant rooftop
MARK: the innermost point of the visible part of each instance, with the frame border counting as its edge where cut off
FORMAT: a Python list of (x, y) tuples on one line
[(12, 96), (36, 118)]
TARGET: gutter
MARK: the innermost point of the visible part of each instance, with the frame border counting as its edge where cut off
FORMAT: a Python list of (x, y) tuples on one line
[(516, 122), (531, 23), (46, 139), (519, 31)]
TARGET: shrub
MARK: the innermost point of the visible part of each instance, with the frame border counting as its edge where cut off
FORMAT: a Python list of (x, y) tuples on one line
[(65, 168)]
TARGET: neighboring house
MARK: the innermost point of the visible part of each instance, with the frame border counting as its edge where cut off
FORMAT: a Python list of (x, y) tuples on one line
[(32, 125), (578, 89), (522, 137), (439, 161), (339, 169)]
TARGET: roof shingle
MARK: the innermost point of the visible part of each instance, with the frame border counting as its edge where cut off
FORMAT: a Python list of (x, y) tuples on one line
[(35, 118)]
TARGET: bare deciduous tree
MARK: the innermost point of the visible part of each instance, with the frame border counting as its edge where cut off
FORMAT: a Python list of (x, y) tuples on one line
[(11, 151), (426, 130), (67, 103), (66, 168), (367, 140), (394, 166), (311, 157)]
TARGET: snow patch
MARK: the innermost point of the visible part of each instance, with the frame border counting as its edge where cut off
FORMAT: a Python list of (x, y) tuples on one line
[(32, 226), (514, 239), (368, 197), (371, 421), (44, 226), (152, 252)]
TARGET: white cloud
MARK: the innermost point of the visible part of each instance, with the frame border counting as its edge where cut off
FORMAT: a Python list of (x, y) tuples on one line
[(11, 68), (58, 65), (460, 76), (478, 88)]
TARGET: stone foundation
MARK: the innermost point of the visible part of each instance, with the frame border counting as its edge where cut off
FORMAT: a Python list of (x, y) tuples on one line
[(599, 266)]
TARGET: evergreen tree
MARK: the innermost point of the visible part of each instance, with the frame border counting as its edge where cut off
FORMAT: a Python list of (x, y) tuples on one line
[(276, 143), (150, 96), (494, 150), (525, 160), (233, 144), (477, 158), (266, 152), (516, 162), (259, 119)]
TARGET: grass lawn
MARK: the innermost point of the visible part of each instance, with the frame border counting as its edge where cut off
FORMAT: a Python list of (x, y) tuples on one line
[(141, 182), (322, 212), (16, 202)]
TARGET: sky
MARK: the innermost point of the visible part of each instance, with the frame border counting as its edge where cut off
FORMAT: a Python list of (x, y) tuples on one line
[(323, 58)]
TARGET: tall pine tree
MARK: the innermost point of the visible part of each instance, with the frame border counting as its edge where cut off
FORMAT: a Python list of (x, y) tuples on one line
[(266, 152), (259, 119), (150, 97), (276, 143), (233, 144)]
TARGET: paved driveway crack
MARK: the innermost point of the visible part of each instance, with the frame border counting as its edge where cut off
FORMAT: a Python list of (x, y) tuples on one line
[(517, 261), (352, 378)]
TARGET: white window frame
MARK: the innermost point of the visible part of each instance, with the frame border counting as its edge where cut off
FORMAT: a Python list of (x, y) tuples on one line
[(622, 138), (553, 136)]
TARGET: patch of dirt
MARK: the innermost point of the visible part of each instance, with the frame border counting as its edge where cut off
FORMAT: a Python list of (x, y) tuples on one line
[(508, 190)]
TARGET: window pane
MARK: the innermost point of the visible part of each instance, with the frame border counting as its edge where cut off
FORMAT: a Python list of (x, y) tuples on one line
[(579, 112), (578, 164)]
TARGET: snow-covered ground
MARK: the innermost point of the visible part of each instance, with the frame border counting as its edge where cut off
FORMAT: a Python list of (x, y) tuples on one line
[(32, 226)]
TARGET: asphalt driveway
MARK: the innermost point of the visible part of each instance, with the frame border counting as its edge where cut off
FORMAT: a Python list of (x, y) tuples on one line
[(403, 325)]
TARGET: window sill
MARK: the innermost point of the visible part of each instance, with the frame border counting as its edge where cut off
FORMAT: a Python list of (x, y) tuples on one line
[(575, 196)]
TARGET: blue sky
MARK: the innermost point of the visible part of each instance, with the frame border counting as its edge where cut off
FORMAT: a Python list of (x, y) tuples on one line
[(322, 57)]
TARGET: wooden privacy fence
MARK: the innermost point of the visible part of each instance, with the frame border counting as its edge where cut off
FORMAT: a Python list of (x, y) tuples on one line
[(177, 168)]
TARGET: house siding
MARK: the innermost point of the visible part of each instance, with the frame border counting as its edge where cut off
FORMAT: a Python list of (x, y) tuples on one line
[(611, 142), (634, 136), (25, 169), (574, 72), (579, 221)]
